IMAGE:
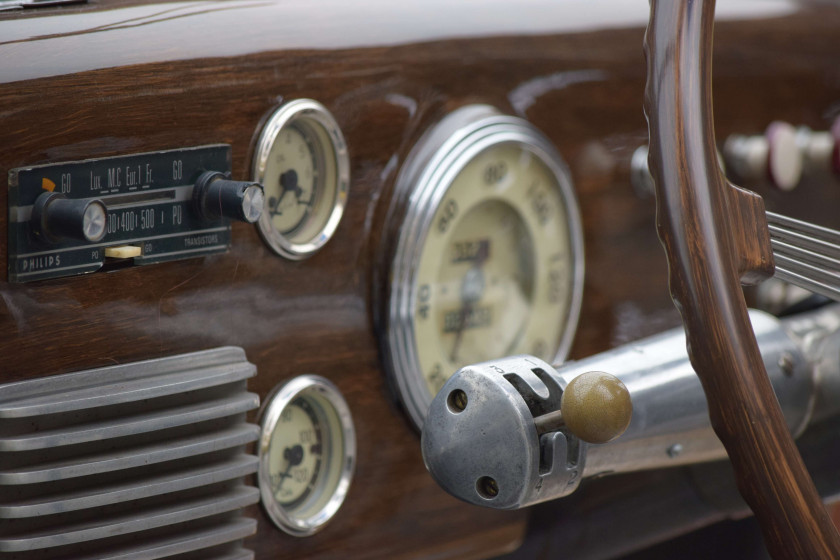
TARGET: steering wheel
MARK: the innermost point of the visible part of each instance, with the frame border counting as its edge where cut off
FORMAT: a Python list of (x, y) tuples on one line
[(715, 236)]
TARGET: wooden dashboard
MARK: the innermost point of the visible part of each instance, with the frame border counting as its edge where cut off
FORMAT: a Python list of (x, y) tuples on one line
[(103, 79)]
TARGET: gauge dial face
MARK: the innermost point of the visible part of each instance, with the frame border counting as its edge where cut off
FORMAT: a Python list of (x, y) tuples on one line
[(303, 166), (489, 261), (295, 453), (494, 271), (294, 165), (307, 453)]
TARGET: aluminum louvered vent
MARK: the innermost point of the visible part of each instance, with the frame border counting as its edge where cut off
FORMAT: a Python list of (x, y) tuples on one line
[(144, 460)]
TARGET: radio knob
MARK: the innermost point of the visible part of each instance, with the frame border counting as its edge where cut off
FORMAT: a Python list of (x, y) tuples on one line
[(54, 216), (215, 197)]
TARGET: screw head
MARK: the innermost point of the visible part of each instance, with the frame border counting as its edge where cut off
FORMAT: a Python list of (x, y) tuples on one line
[(786, 363), (487, 487), (457, 401)]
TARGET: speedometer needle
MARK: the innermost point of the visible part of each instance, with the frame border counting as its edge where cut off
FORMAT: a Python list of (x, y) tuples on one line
[(472, 289)]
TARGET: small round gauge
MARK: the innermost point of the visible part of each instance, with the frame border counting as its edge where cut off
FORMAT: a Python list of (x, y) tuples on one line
[(307, 454), (301, 161), (488, 260)]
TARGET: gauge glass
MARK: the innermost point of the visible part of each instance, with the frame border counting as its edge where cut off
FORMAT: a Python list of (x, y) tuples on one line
[(494, 276), (294, 165), (295, 453), (303, 166), (489, 260), (307, 453)]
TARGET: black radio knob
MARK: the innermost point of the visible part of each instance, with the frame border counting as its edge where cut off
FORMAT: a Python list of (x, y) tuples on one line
[(54, 216), (215, 196)]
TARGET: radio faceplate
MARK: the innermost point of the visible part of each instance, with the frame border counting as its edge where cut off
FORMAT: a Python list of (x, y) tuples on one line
[(57, 226)]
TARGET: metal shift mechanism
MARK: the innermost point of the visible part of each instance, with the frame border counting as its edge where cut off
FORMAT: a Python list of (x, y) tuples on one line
[(513, 432), (481, 444)]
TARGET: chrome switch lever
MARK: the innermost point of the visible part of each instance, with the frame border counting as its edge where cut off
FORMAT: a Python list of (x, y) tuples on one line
[(494, 434)]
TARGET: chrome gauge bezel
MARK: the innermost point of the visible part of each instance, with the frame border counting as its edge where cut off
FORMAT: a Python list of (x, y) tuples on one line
[(318, 389), (313, 114), (425, 179)]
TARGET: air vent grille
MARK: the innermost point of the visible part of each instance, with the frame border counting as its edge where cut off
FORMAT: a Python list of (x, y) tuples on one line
[(144, 460)]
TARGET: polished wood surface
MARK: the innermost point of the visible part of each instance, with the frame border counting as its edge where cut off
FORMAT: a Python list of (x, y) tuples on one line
[(714, 235), (214, 76)]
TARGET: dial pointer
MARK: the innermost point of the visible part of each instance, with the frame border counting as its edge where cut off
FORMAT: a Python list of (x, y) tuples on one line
[(294, 455)]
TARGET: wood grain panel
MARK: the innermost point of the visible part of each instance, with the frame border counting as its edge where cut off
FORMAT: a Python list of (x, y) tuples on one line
[(583, 89)]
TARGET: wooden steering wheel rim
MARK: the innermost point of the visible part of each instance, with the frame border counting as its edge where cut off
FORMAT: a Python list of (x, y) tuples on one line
[(715, 237)]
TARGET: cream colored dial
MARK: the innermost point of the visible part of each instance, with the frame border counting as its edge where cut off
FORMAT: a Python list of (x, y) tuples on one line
[(303, 165), (294, 166), (494, 272), (307, 454), (295, 453), (488, 260)]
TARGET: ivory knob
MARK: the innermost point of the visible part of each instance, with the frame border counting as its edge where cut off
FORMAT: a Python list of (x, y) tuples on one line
[(596, 407)]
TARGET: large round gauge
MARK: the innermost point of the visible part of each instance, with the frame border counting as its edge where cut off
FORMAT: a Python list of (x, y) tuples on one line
[(488, 261), (307, 454), (301, 161)]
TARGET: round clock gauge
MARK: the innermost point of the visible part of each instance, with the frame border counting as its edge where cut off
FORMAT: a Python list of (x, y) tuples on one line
[(301, 161), (307, 454), (488, 260)]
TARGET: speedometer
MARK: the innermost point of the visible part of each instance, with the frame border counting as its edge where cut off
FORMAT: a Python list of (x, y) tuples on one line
[(488, 260)]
